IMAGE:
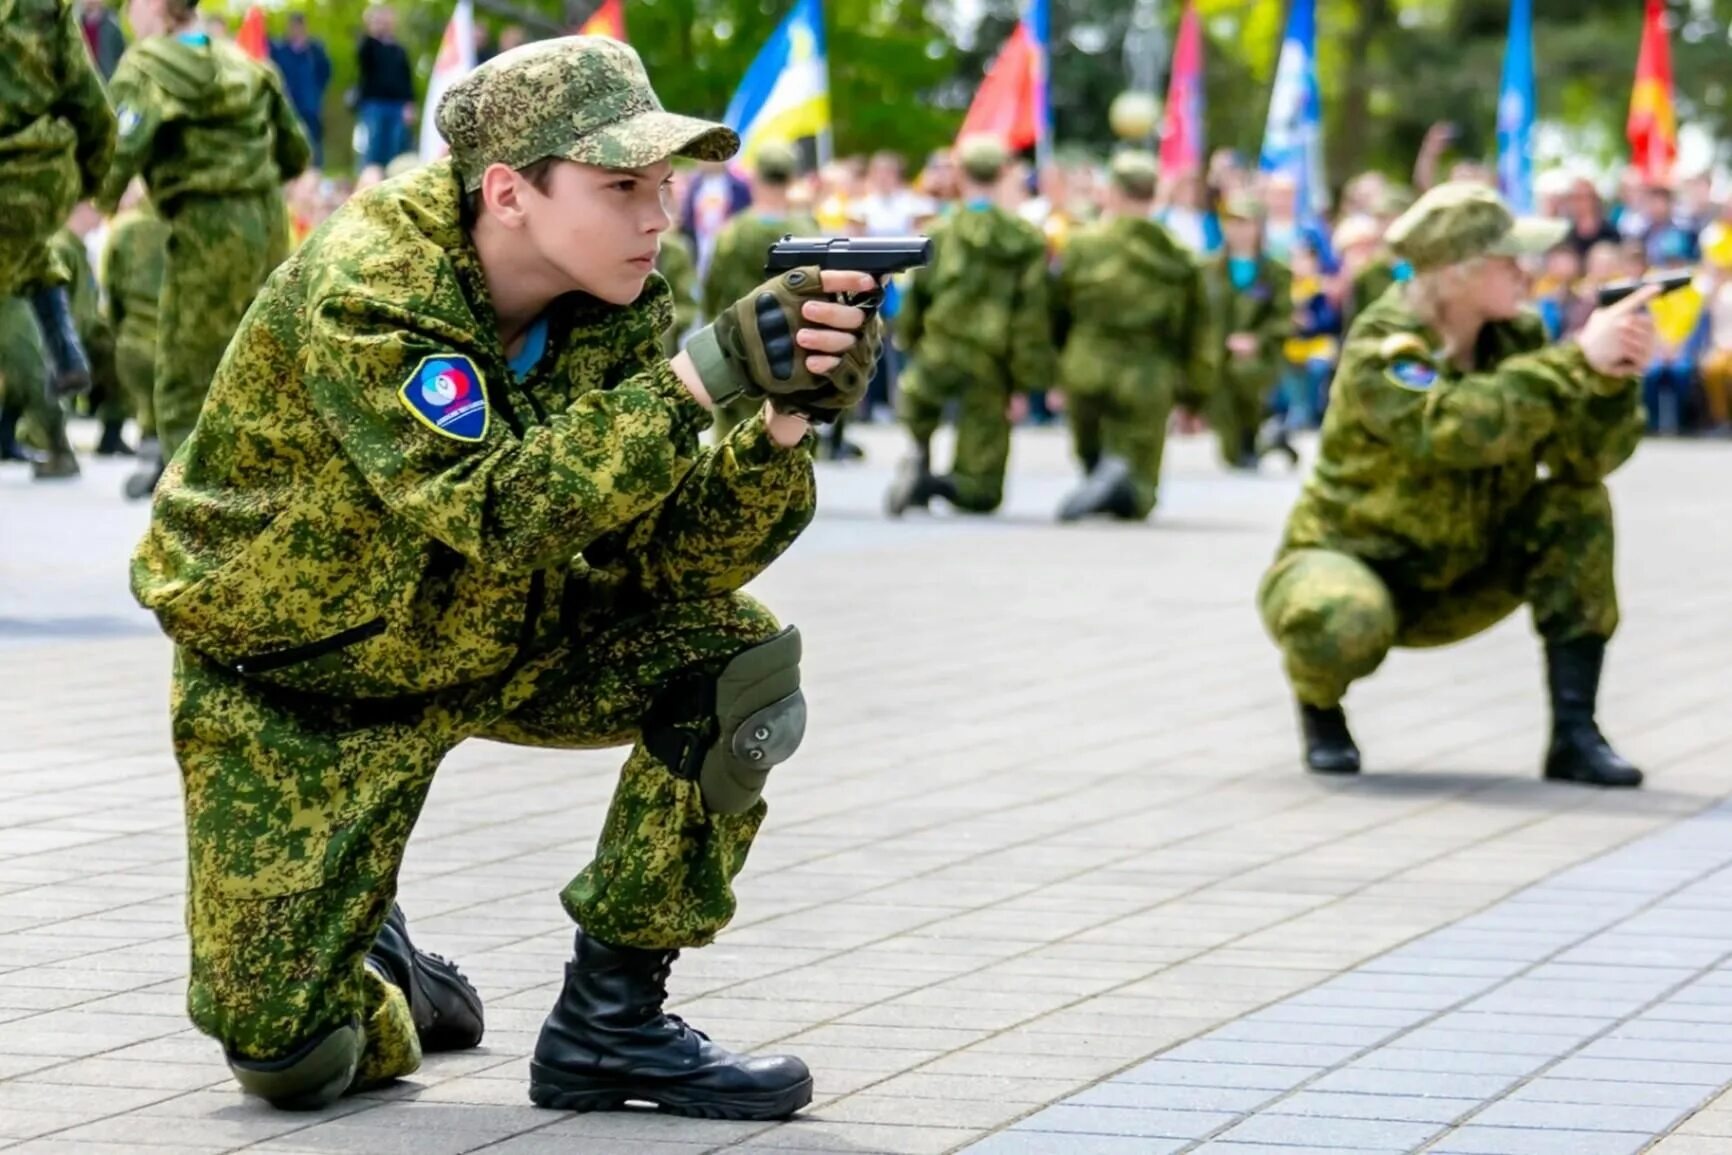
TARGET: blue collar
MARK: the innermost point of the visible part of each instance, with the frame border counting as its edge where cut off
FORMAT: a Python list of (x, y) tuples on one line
[(529, 355), (196, 39)]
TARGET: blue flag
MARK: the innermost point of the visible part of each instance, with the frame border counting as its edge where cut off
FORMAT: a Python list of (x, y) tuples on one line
[(1515, 111), (1293, 135), (1038, 17)]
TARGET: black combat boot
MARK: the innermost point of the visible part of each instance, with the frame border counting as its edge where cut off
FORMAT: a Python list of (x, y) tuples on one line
[(1329, 747), (608, 1042), (1579, 752), (112, 443), (61, 463), (446, 1008), (913, 485), (69, 368), (1107, 489)]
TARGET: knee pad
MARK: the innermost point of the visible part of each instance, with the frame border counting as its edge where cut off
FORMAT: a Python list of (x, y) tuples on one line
[(313, 1077), (751, 714)]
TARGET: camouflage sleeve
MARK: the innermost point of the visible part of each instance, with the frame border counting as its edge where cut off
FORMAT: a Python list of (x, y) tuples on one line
[(1597, 432), (1277, 323), (1467, 422), (1060, 299), (738, 509), (513, 501), (83, 103), (911, 310), (138, 109), (1033, 362), (293, 151)]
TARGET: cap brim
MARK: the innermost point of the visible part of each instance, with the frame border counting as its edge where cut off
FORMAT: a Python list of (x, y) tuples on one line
[(1531, 237), (651, 137)]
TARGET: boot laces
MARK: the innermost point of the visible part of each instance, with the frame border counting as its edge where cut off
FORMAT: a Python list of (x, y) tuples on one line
[(659, 985)]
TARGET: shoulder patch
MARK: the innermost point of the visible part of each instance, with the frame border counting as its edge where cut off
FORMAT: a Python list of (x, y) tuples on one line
[(446, 395), (127, 119), (1412, 374)]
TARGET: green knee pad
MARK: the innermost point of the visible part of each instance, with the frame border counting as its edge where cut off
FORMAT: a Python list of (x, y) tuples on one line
[(761, 715), (314, 1077)]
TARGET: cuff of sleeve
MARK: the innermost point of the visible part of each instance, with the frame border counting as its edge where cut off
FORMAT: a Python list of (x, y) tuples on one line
[(753, 448), (720, 380), (1593, 381)]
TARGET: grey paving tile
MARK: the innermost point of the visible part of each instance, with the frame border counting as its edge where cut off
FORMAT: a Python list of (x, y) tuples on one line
[(1217, 1147), (1394, 1108), (1515, 1141), (1362, 1080), (1046, 1143), (1450, 1062), (1229, 1052), (1170, 1097), (1161, 1124), (1580, 1117), (1640, 1071), (1256, 1076), (1330, 1134), (1609, 1092)]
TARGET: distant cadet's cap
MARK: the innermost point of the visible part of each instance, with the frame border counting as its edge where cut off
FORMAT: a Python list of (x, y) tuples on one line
[(1460, 220), (582, 98), (1134, 173), (982, 157), (775, 162)]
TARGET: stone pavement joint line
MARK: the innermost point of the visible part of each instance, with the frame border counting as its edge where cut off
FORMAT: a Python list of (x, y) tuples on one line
[(1045, 860)]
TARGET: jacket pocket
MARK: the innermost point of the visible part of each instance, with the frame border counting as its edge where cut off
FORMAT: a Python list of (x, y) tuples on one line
[(295, 655)]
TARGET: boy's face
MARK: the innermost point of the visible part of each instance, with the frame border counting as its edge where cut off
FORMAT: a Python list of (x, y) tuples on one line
[(599, 227)]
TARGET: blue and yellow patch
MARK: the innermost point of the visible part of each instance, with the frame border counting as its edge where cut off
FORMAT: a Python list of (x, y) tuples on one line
[(1411, 374), (447, 396)]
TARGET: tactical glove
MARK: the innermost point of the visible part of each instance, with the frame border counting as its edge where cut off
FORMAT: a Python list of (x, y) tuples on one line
[(750, 350)]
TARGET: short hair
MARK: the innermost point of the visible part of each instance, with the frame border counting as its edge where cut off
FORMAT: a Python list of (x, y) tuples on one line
[(539, 174)]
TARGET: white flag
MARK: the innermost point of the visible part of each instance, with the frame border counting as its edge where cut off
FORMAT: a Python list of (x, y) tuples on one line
[(456, 60)]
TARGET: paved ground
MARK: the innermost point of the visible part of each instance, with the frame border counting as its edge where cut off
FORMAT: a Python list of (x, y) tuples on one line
[(1044, 878)]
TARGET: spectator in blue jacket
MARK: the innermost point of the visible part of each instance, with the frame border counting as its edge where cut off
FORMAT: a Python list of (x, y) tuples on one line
[(306, 73)]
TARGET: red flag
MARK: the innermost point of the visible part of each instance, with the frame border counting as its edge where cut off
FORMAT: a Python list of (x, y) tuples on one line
[(1008, 101), (251, 38), (1653, 125), (1182, 120), (608, 20)]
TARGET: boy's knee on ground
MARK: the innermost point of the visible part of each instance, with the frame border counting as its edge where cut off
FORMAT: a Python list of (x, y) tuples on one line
[(1329, 612)]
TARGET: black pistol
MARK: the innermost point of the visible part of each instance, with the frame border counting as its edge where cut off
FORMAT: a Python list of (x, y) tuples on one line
[(879, 256), (1616, 291)]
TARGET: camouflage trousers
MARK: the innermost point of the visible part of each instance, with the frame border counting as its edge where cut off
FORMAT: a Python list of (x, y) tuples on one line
[(1126, 420), (298, 809), (220, 250), (36, 197), (1236, 407), (982, 427), (1335, 616), (24, 378), (135, 370)]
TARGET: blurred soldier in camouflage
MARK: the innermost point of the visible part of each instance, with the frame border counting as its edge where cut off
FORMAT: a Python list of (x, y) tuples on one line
[(743, 245), (446, 486), (675, 263), (25, 395), (132, 275), (977, 328), (94, 332), (1131, 320), (1251, 313), (1461, 475), (56, 139), (214, 137)]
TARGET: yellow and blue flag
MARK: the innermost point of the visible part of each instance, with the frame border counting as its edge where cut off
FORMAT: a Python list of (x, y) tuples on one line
[(785, 95)]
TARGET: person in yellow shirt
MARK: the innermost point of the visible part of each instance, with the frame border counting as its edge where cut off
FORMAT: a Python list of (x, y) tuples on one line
[(1669, 386)]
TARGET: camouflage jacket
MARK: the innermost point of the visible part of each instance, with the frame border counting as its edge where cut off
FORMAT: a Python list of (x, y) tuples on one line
[(674, 262), (980, 309), (742, 247), (56, 129), (200, 120), (372, 505), (1128, 292), (1264, 310), (1420, 461), (133, 265)]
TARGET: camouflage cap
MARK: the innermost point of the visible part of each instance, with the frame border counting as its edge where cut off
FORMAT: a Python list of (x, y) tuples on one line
[(1460, 220), (775, 162), (982, 157), (1134, 174), (582, 98)]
